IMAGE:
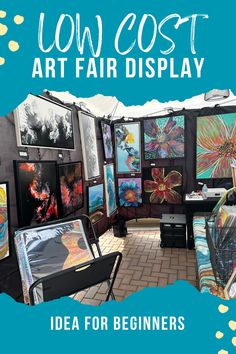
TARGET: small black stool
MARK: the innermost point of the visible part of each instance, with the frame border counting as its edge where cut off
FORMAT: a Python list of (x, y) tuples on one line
[(173, 230)]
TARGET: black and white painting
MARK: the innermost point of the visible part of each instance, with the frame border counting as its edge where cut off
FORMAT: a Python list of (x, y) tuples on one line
[(89, 146), (42, 123)]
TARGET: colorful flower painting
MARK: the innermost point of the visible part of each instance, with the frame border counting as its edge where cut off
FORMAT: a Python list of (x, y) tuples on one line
[(128, 147), (130, 192), (107, 141), (71, 187), (4, 221), (164, 138), (216, 145), (163, 185), (110, 190), (96, 202), (36, 184)]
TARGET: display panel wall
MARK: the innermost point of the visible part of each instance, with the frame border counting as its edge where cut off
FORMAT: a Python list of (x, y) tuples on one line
[(9, 273)]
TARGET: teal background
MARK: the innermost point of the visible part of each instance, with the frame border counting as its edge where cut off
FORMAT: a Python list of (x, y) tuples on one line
[(215, 40), (27, 329)]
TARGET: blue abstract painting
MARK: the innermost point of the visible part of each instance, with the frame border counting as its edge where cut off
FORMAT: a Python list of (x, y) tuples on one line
[(110, 190), (128, 148), (96, 202)]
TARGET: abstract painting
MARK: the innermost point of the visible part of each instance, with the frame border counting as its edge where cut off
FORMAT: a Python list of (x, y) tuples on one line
[(48, 249), (130, 192), (43, 123), (216, 145), (128, 147), (96, 202), (36, 191), (110, 190), (107, 141), (71, 187), (4, 221), (164, 138), (89, 145), (162, 185)]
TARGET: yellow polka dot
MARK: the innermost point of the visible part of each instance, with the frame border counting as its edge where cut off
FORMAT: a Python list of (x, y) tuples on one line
[(232, 325), (3, 14), (223, 308), (3, 29), (234, 341), (219, 335), (13, 46), (222, 351), (2, 61), (19, 19)]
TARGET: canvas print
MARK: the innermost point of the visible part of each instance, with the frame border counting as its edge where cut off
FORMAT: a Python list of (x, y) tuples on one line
[(43, 123), (162, 185), (4, 221), (130, 192), (71, 187), (164, 138), (110, 190), (107, 141), (96, 202), (128, 147), (48, 249), (36, 186), (216, 145), (89, 146)]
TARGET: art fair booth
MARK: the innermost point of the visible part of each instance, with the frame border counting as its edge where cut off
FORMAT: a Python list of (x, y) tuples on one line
[(99, 200)]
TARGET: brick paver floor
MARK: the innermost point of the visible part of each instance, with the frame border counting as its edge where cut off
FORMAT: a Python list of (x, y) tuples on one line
[(144, 264)]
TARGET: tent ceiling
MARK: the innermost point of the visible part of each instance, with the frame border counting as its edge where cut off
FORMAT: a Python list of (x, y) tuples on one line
[(100, 105)]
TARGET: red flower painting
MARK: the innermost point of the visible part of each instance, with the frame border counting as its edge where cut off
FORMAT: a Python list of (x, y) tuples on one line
[(216, 145), (161, 188)]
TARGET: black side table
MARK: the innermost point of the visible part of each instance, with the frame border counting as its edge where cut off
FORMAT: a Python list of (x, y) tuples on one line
[(192, 206)]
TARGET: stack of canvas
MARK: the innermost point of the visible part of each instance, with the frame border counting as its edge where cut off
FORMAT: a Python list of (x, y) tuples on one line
[(45, 250)]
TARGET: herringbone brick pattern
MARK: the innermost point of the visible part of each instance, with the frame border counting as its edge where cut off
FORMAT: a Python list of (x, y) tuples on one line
[(144, 264)]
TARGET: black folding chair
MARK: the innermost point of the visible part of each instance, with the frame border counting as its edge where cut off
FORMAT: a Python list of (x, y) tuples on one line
[(83, 276)]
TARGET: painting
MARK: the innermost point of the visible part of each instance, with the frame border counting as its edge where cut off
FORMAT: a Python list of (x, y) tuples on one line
[(162, 185), (128, 147), (36, 191), (4, 221), (89, 146), (216, 145), (130, 192), (164, 138), (96, 202), (71, 187), (110, 190), (42, 123), (44, 250), (107, 141)]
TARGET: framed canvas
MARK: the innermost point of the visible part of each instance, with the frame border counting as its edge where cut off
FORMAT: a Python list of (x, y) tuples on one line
[(162, 185), (44, 250), (127, 147), (110, 190), (130, 192), (96, 202), (107, 141), (215, 146), (164, 138), (36, 191), (42, 123), (71, 187), (4, 221), (230, 289), (89, 146)]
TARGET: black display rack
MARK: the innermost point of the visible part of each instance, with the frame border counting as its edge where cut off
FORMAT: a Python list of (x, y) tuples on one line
[(78, 278)]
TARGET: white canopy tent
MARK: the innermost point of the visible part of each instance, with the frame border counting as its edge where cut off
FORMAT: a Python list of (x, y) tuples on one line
[(100, 105)]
